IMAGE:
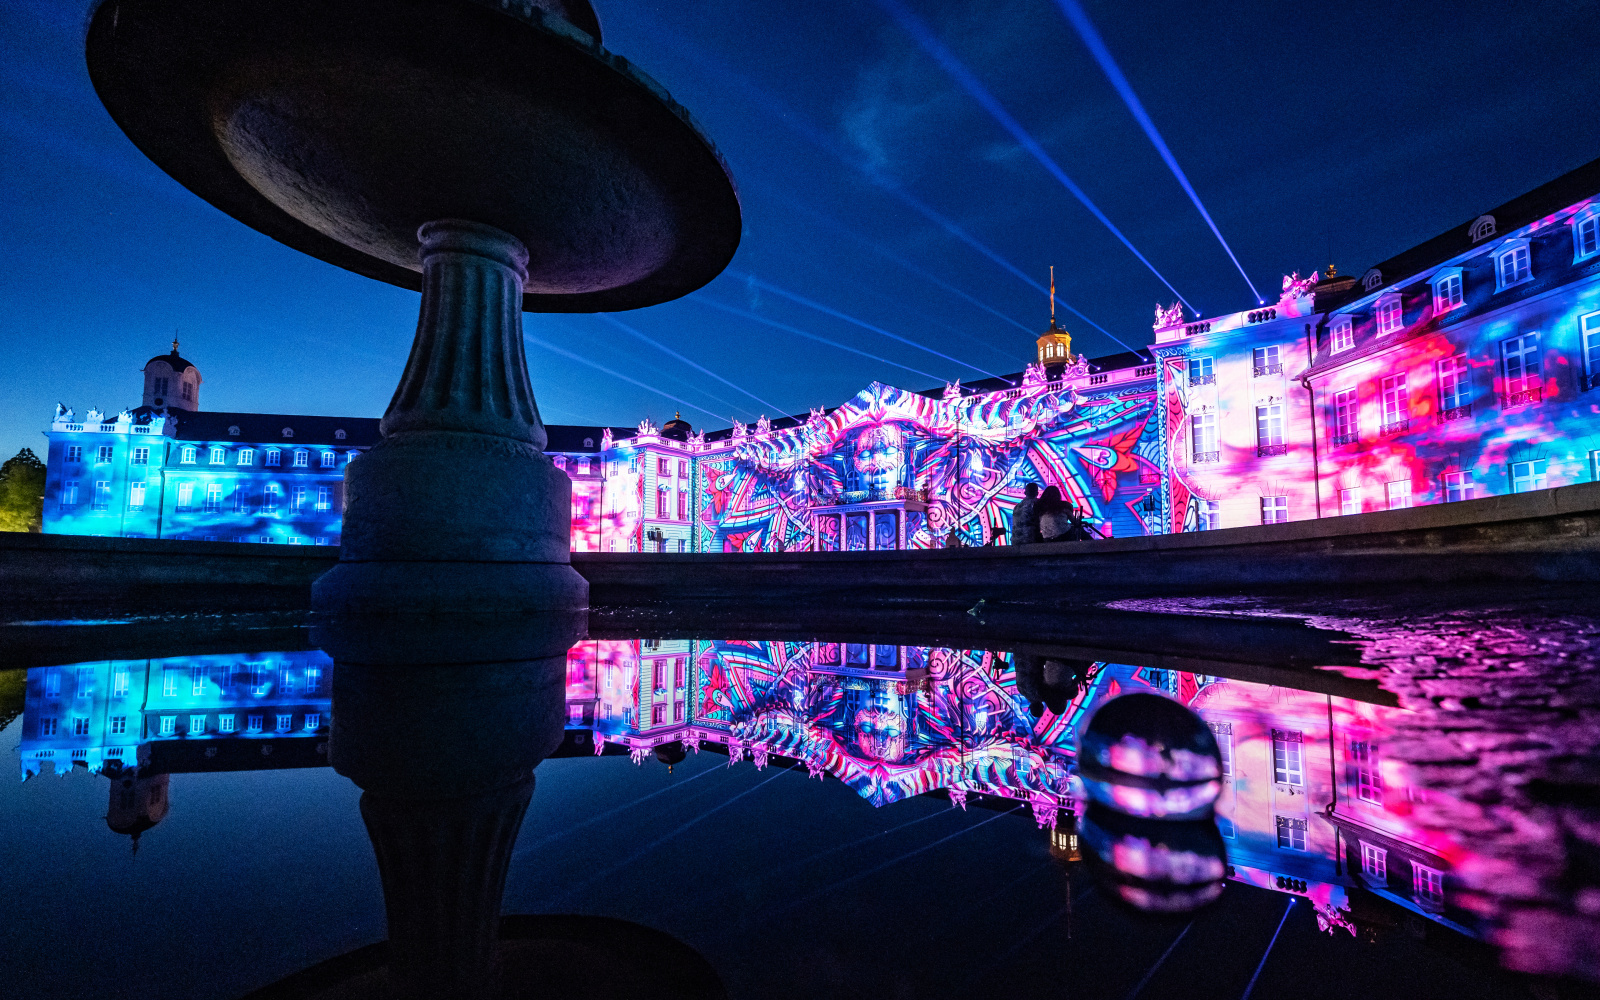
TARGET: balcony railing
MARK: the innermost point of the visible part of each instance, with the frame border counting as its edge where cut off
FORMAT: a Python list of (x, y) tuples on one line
[(1523, 398), (1397, 426), (1456, 412), (1202, 380), (1262, 370), (1263, 450), (1346, 438), (1098, 379), (1207, 457)]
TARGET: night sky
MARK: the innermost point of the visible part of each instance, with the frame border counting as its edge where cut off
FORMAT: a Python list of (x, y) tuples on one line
[(1355, 130)]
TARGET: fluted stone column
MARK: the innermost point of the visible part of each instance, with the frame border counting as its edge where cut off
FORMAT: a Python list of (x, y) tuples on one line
[(458, 508)]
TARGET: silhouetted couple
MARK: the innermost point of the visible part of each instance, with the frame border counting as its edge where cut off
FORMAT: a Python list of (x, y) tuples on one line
[(1046, 518)]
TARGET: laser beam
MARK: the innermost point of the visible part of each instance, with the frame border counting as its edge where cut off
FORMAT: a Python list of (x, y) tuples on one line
[(924, 36), (758, 318), (625, 328), (799, 299), (1097, 48), (1263, 963), (539, 342)]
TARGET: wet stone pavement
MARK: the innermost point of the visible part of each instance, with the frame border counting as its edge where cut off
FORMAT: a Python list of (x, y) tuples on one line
[(1504, 734)]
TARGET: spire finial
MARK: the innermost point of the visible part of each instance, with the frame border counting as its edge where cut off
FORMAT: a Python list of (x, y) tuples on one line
[(174, 342), (1052, 295)]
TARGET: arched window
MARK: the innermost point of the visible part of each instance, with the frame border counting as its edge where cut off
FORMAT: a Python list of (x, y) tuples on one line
[(338, 435), (1482, 228), (1372, 279)]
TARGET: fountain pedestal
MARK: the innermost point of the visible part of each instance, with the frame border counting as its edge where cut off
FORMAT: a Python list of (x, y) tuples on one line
[(458, 509)]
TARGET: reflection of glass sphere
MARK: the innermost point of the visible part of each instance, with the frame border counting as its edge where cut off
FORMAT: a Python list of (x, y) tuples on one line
[(1146, 755), (1155, 866)]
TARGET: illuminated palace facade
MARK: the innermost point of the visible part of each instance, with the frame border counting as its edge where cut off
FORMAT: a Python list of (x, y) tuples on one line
[(1310, 804), (1468, 366)]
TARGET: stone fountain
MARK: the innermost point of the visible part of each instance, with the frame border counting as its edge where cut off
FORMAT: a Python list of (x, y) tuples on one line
[(488, 153)]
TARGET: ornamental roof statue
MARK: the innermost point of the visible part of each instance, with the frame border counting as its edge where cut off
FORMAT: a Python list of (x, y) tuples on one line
[(1169, 317)]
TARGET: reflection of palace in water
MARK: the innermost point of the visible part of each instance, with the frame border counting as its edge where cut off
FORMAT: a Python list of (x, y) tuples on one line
[(1311, 805)]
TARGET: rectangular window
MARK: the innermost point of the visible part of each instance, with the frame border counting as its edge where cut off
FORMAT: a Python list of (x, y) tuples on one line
[(246, 456), (1346, 411), (683, 505), (680, 674), (661, 503), (52, 683), (169, 725), (270, 495), (1374, 862), (658, 714), (1274, 510), (324, 498), (119, 725), (252, 723), (80, 726), (302, 458), (197, 681), (274, 457), (1589, 329), (297, 500), (102, 454), (119, 684), (1201, 371), (677, 711), (1203, 432), (1291, 833), (1457, 486), (1267, 360), (663, 467), (213, 498), (1390, 315), (1594, 466), (1343, 335), (197, 725), (1208, 515), (661, 672), (169, 683), (329, 460), (74, 452), (1286, 758), (1515, 266), (141, 456), (683, 470), (69, 493), (583, 466), (47, 727), (1455, 388), (1223, 733), (219, 456), (160, 386), (1528, 476), (313, 721), (1350, 500), (1447, 293), (84, 682), (136, 496), (1397, 494), (1427, 885), (102, 494), (185, 496), (313, 680), (1519, 358), (1396, 403), (1269, 430), (241, 499), (1586, 236), (285, 722), (1364, 758), (225, 723), (186, 454)]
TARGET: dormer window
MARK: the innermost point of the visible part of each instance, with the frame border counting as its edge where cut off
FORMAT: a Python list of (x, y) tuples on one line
[(1391, 316), (188, 454), (329, 459), (338, 435), (219, 456), (246, 456), (1482, 228), (1513, 264), (351, 456), (1586, 233), (233, 431), (1372, 279), (274, 458), (288, 432), (1343, 334), (302, 458), (1447, 290)]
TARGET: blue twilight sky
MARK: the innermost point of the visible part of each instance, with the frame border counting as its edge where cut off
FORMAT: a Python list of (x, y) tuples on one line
[(870, 180)]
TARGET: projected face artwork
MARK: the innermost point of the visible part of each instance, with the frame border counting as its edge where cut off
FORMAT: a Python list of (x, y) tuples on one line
[(954, 466)]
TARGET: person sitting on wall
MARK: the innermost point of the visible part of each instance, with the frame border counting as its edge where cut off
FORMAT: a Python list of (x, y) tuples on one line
[(1025, 516), (1053, 515)]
